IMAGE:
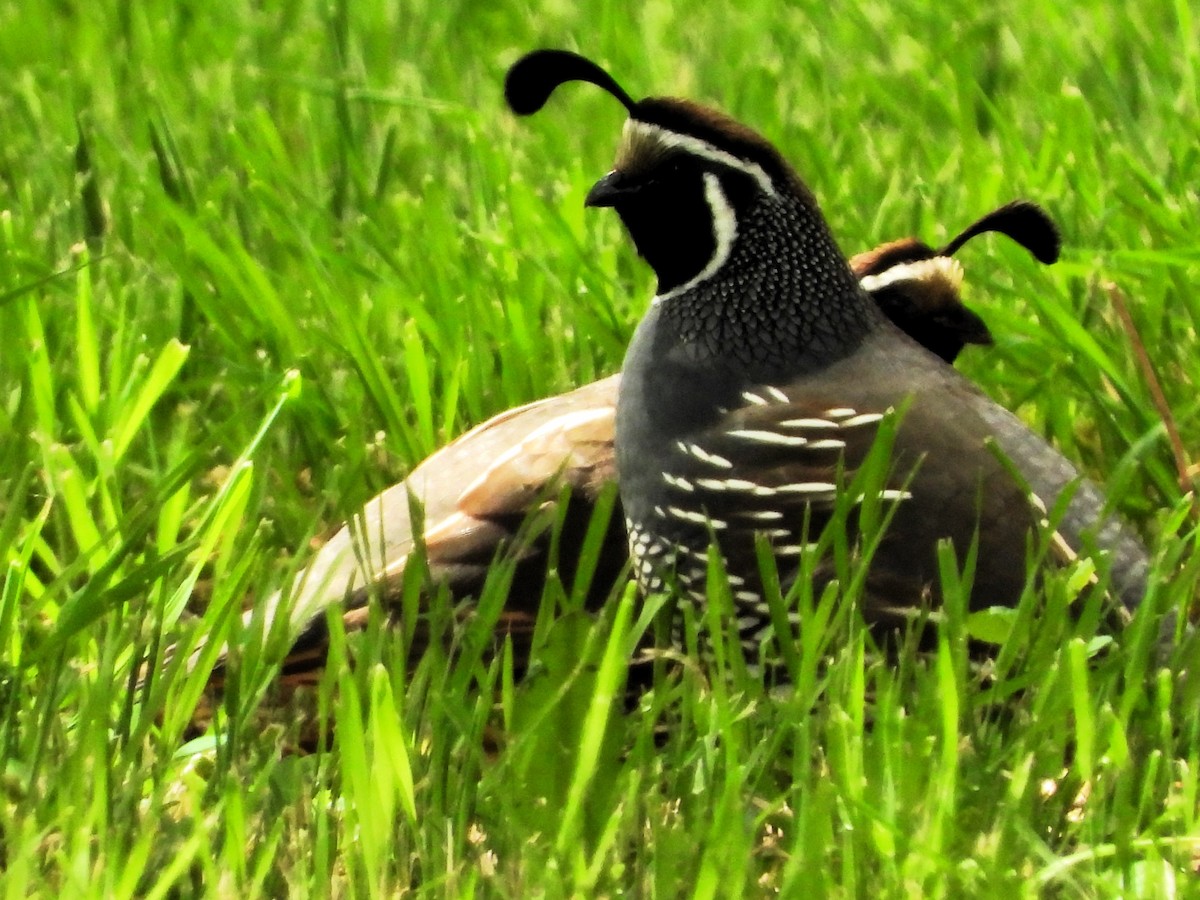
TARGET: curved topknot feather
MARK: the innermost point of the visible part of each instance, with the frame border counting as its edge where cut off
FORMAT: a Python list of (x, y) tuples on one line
[(534, 77), (1022, 221)]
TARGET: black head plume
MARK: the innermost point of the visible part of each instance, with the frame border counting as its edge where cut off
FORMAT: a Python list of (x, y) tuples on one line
[(1022, 221), (534, 77)]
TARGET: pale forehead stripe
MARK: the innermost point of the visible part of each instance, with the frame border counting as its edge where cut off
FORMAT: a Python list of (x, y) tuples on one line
[(938, 268), (636, 131)]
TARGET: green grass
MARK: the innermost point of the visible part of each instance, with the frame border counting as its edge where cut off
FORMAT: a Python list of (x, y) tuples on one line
[(257, 260)]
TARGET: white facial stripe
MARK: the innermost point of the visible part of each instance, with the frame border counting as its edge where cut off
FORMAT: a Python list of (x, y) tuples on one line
[(724, 233), (939, 268), (700, 148)]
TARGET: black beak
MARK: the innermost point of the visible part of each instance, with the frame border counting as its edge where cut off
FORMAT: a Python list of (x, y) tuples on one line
[(610, 189)]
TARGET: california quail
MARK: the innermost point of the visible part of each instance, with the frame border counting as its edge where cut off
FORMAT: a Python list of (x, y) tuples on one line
[(917, 287), (755, 387), (479, 492)]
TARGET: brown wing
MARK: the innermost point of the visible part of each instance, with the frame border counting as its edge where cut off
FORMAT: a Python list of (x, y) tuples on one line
[(476, 494)]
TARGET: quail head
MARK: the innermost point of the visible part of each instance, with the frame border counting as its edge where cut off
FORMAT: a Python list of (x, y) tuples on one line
[(759, 379), (919, 288)]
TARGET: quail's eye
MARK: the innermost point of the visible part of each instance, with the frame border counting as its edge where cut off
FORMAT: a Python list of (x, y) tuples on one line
[(674, 165), (669, 169)]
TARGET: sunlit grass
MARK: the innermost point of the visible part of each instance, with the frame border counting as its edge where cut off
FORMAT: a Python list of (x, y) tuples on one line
[(256, 261)]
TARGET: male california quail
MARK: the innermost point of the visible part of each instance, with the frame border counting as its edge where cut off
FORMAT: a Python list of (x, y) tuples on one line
[(757, 383), (479, 493)]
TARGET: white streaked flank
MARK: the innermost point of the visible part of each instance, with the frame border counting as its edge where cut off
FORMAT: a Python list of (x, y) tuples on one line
[(698, 452), (761, 515), (862, 419), (793, 549), (808, 423), (808, 487), (728, 484), (698, 518), (760, 436), (679, 483)]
